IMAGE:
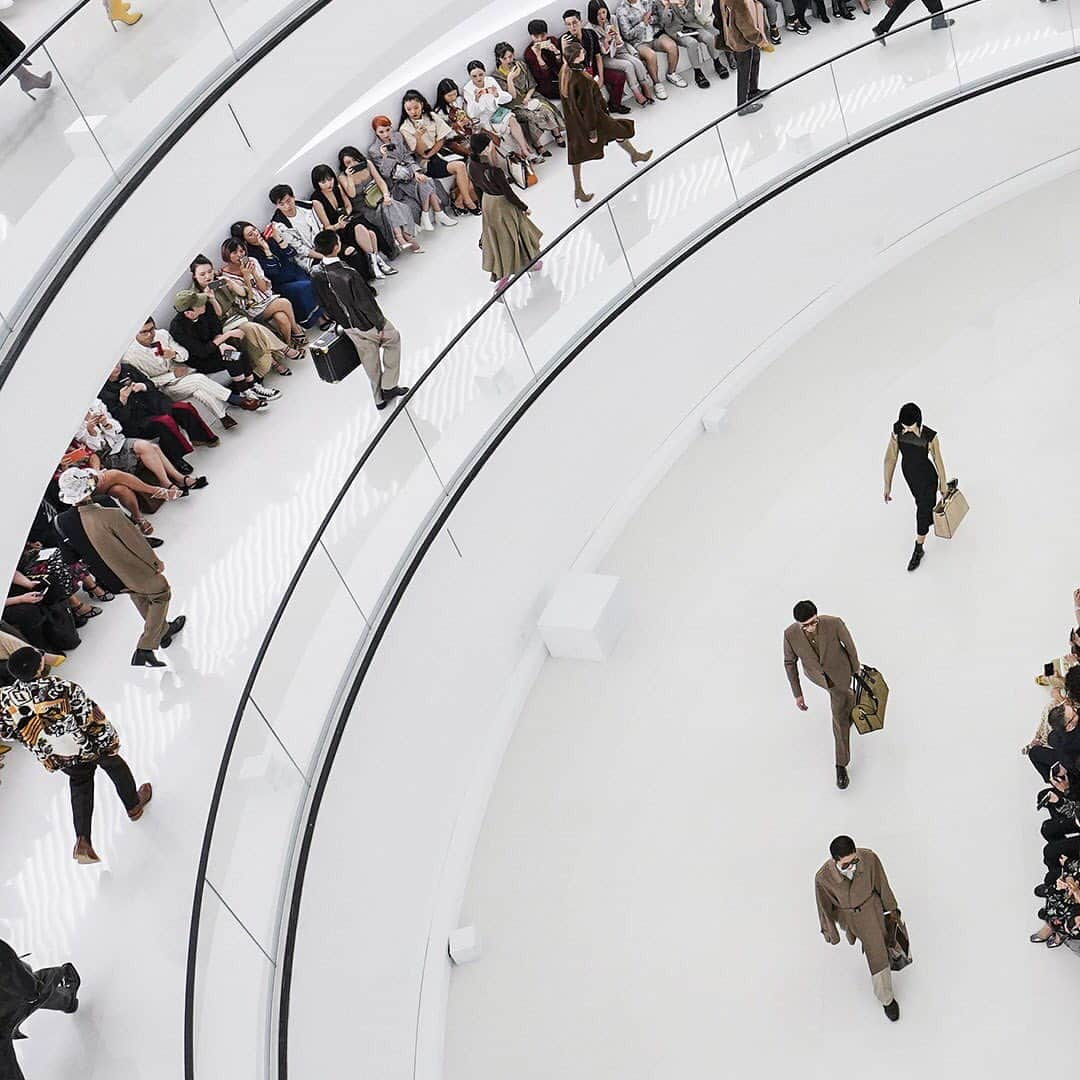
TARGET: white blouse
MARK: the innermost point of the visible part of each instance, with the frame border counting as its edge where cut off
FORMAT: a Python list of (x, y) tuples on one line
[(479, 105)]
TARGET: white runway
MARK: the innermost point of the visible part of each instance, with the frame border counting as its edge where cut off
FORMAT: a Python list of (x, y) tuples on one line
[(643, 883)]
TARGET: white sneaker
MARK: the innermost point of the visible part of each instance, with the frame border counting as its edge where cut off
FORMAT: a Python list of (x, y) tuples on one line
[(443, 218), (427, 222), (660, 90), (676, 79), (267, 393)]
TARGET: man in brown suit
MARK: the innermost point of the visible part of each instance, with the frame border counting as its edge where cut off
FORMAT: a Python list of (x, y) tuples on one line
[(829, 659), (852, 890), (108, 539)]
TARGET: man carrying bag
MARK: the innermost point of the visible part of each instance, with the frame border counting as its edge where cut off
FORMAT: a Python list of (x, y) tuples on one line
[(350, 302)]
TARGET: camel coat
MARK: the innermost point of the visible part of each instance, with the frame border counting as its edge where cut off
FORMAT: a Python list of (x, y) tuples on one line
[(123, 549), (586, 114), (839, 659), (858, 906), (743, 24)]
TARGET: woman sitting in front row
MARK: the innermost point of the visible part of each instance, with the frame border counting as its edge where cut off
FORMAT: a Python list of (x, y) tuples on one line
[(526, 102), (436, 147), (389, 154), (372, 201), (334, 209), (486, 104), (278, 264)]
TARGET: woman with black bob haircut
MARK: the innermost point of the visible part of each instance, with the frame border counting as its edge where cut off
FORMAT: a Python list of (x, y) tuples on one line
[(920, 453), (334, 209), (437, 148), (371, 200)]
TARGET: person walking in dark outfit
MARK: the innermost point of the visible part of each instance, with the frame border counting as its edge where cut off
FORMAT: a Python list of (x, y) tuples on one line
[(22, 992), (935, 7), (67, 732), (923, 469)]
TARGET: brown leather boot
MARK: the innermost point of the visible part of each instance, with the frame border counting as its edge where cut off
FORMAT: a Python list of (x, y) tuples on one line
[(84, 854), (145, 793)]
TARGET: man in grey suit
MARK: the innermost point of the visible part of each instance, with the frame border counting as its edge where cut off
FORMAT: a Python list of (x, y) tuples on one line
[(829, 659)]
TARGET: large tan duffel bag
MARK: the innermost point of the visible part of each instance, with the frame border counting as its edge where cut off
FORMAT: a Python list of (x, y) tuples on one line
[(871, 697)]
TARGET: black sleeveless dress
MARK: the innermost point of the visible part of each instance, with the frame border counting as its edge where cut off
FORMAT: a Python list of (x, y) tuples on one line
[(919, 472)]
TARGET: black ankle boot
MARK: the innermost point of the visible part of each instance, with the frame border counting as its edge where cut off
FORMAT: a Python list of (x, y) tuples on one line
[(916, 557), (146, 658), (841, 777), (892, 1010)]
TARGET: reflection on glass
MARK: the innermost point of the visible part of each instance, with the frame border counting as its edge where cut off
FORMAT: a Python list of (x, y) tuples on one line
[(799, 123), (465, 395), (995, 35), (579, 279), (51, 172), (673, 200), (130, 80)]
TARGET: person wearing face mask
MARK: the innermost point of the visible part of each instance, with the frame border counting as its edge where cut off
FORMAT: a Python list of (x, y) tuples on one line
[(853, 894), (920, 461), (829, 659)]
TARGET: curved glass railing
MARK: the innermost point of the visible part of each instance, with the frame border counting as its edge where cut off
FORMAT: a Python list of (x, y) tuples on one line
[(115, 90), (263, 809)]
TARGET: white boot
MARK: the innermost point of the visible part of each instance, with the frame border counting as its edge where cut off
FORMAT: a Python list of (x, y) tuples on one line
[(376, 269), (427, 221), (443, 218)]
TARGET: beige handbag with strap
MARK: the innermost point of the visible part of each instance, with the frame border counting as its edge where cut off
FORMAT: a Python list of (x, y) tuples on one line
[(949, 512)]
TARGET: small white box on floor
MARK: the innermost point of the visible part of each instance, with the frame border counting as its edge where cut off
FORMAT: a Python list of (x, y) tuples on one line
[(585, 617), (712, 420), (464, 945)]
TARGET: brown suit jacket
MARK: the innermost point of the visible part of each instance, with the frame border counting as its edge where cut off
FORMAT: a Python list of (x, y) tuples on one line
[(116, 538), (839, 657)]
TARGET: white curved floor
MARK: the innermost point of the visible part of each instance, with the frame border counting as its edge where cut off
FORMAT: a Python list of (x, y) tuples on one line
[(643, 882)]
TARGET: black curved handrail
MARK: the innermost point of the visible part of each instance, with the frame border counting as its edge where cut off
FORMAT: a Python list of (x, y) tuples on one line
[(393, 601), (29, 50), (28, 322)]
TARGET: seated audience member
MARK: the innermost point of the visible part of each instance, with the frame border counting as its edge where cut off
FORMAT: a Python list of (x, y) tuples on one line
[(407, 184), (334, 209), (41, 619), (347, 298), (281, 267), (639, 26), (682, 22), (614, 81), (67, 732), (256, 295), (101, 433), (533, 111), (543, 59), (1063, 741), (57, 567), (1061, 830), (263, 348), (156, 354), (9, 645), (211, 348), (1061, 913), (435, 146), (371, 198), (144, 412), (618, 55), (486, 105), (295, 225), (119, 556)]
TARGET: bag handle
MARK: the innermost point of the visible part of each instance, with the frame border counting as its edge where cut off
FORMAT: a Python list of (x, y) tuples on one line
[(857, 678)]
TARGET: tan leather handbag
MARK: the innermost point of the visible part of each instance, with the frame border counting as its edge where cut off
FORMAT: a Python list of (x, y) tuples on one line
[(949, 512)]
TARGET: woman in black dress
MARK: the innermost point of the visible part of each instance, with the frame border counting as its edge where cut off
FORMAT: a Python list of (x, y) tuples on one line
[(923, 469)]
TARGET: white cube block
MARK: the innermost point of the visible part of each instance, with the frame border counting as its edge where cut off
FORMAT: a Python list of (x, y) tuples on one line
[(585, 617), (464, 946), (712, 420)]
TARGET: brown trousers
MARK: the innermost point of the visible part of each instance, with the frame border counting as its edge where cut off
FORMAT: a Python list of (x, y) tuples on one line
[(380, 353), (154, 609), (843, 701)]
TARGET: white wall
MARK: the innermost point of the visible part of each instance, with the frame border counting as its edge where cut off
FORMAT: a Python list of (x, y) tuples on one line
[(399, 819)]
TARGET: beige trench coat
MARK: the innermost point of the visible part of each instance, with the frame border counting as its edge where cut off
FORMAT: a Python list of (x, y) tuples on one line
[(858, 906)]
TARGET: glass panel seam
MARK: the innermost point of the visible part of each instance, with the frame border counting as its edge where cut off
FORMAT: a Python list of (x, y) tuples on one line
[(840, 105), (239, 922), (277, 738), (75, 102)]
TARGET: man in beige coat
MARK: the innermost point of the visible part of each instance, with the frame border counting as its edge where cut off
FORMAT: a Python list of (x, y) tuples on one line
[(852, 892), (107, 535), (743, 24), (829, 659)]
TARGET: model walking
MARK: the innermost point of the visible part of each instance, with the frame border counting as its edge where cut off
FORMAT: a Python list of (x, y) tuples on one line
[(852, 890), (589, 127), (923, 469)]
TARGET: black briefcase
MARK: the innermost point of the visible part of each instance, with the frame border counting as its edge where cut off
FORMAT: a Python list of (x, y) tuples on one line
[(335, 355)]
